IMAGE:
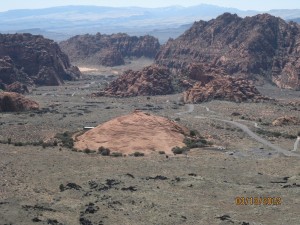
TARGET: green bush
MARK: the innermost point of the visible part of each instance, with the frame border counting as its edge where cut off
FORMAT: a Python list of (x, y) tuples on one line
[(66, 139), (116, 154), (88, 151), (138, 154), (193, 133), (195, 143), (18, 144), (177, 150), (104, 151)]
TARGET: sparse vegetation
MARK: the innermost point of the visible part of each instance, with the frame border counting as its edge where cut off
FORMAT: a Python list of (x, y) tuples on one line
[(177, 150), (276, 134), (138, 154), (88, 151), (161, 152), (116, 154), (66, 139), (194, 133), (104, 151), (196, 142)]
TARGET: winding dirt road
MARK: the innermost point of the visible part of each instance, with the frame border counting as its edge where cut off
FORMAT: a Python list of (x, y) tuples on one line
[(244, 128)]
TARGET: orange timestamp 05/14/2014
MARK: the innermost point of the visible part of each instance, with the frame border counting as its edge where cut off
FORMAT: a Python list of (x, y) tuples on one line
[(258, 200)]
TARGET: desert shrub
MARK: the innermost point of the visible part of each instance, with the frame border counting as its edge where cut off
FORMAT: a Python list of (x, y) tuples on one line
[(235, 114), (138, 154), (195, 143), (177, 119), (18, 144), (298, 134), (269, 133), (161, 152), (104, 151), (45, 145), (9, 141), (289, 136), (88, 151), (66, 139), (116, 154), (193, 133), (177, 150)]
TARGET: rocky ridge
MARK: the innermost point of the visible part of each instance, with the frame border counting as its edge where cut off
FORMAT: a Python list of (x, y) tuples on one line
[(152, 80), (14, 102), (32, 59), (262, 45), (109, 50), (223, 88)]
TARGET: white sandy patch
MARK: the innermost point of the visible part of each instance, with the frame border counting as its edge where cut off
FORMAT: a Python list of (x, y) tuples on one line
[(86, 69)]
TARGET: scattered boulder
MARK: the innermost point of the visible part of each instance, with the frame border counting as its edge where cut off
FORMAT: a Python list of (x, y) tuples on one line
[(258, 46), (33, 59), (137, 131), (109, 50), (152, 80), (286, 120), (14, 102)]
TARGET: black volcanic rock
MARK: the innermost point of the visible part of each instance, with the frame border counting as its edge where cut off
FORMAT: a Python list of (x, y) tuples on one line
[(109, 50), (32, 59), (261, 45)]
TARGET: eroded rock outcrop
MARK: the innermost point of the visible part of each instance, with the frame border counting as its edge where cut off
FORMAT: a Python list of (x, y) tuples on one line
[(32, 59), (14, 102), (109, 50), (17, 87), (286, 120), (261, 45), (137, 131), (223, 88), (152, 80)]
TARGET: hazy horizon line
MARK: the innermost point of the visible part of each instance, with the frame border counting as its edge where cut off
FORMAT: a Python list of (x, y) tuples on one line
[(141, 7)]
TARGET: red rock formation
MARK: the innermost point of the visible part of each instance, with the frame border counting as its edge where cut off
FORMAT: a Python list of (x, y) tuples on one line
[(261, 45), (17, 87), (109, 50), (223, 88), (152, 80), (286, 120), (137, 131), (33, 59), (14, 102)]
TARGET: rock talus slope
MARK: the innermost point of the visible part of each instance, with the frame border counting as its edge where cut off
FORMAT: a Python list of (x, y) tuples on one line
[(137, 131)]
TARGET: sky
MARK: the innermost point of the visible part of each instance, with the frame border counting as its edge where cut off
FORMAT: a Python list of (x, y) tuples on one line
[(261, 5)]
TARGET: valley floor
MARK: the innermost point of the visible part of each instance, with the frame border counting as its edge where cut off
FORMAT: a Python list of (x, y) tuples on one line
[(54, 185)]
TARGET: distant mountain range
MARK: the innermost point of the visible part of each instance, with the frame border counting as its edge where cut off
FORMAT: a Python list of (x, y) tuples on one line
[(59, 23)]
